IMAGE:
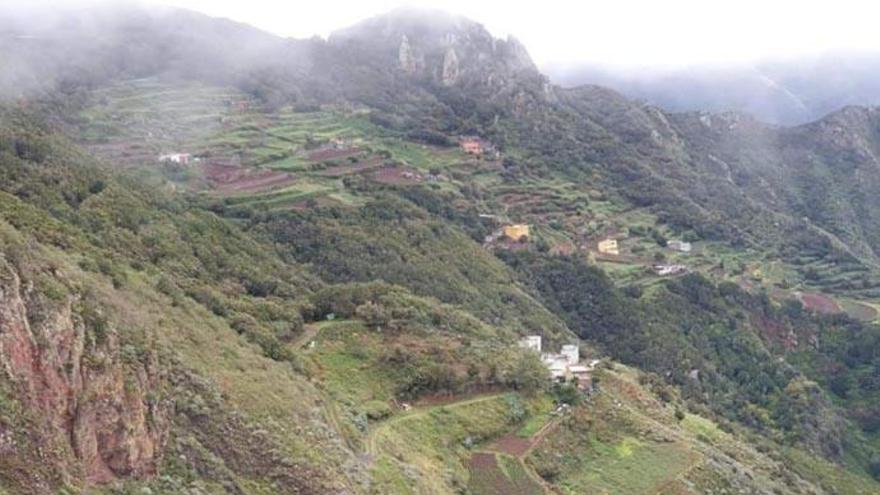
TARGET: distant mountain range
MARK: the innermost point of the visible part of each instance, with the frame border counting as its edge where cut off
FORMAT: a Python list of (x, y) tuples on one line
[(786, 92)]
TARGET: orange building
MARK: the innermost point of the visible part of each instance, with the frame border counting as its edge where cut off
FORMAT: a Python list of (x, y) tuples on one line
[(471, 145), (516, 232)]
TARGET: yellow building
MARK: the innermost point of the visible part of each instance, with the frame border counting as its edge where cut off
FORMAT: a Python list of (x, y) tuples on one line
[(516, 232), (609, 246)]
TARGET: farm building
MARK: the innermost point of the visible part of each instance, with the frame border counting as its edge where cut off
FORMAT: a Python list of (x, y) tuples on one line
[(680, 246), (583, 376), (664, 270), (609, 246), (471, 145), (560, 364), (474, 145), (180, 158), (516, 232), (531, 342), (571, 353)]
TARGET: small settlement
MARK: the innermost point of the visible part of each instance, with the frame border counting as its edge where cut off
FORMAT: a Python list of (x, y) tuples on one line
[(565, 365)]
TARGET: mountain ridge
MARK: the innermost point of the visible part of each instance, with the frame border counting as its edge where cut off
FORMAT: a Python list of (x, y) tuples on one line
[(323, 260)]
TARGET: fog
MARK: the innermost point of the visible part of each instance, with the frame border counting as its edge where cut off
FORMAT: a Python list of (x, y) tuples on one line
[(784, 61), (624, 33)]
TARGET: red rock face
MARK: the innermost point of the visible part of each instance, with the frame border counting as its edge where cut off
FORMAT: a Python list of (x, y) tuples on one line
[(93, 411)]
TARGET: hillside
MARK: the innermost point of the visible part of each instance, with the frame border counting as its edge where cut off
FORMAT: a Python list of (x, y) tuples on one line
[(285, 275)]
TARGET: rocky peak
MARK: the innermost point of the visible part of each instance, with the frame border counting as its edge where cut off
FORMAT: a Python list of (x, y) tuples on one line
[(406, 57), (430, 44), (450, 67)]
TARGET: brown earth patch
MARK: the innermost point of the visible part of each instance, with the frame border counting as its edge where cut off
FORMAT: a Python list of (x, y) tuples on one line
[(511, 445), (397, 176), (820, 303), (232, 179)]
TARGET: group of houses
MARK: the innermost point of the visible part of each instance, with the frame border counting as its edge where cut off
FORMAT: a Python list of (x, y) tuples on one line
[(612, 247), (564, 365)]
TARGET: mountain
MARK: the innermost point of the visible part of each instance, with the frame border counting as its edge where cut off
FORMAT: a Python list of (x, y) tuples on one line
[(786, 92), (234, 263)]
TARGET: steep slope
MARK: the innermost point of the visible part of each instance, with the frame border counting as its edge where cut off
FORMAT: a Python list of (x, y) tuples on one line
[(259, 313)]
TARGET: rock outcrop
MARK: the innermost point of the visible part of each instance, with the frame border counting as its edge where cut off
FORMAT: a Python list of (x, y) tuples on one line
[(406, 57), (450, 68), (92, 403)]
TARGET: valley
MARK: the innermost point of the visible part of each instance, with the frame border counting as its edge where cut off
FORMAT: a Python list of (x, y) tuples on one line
[(241, 264)]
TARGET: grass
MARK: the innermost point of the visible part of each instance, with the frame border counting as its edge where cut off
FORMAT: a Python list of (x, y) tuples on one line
[(629, 466), (539, 415), (343, 355), (507, 475), (429, 448), (703, 428)]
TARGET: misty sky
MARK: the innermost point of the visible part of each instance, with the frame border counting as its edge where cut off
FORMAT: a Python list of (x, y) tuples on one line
[(628, 33)]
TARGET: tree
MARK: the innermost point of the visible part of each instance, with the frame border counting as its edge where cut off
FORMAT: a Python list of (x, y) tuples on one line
[(374, 315), (525, 372)]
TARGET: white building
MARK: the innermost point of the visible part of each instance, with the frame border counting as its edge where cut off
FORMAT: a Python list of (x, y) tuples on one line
[(571, 353), (664, 270), (556, 363), (531, 342), (181, 158), (560, 365), (680, 246)]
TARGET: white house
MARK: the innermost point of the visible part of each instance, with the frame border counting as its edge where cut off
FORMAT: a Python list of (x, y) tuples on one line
[(680, 246), (531, 342), (571, 353), (664, 270), (181, 158), (561, 364)]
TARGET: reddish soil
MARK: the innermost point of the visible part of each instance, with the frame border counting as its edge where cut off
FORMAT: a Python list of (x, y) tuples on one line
[(775, 332), (483, 460), (323, 155), (231, 179), (397, 176), (487, 478), (511, 445), (820, 303)]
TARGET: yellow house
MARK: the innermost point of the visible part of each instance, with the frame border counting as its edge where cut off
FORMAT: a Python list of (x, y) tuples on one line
[(516, 232), (609, 246)]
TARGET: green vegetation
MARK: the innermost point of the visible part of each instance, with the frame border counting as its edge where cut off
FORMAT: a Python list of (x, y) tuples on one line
[(318, 302)]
